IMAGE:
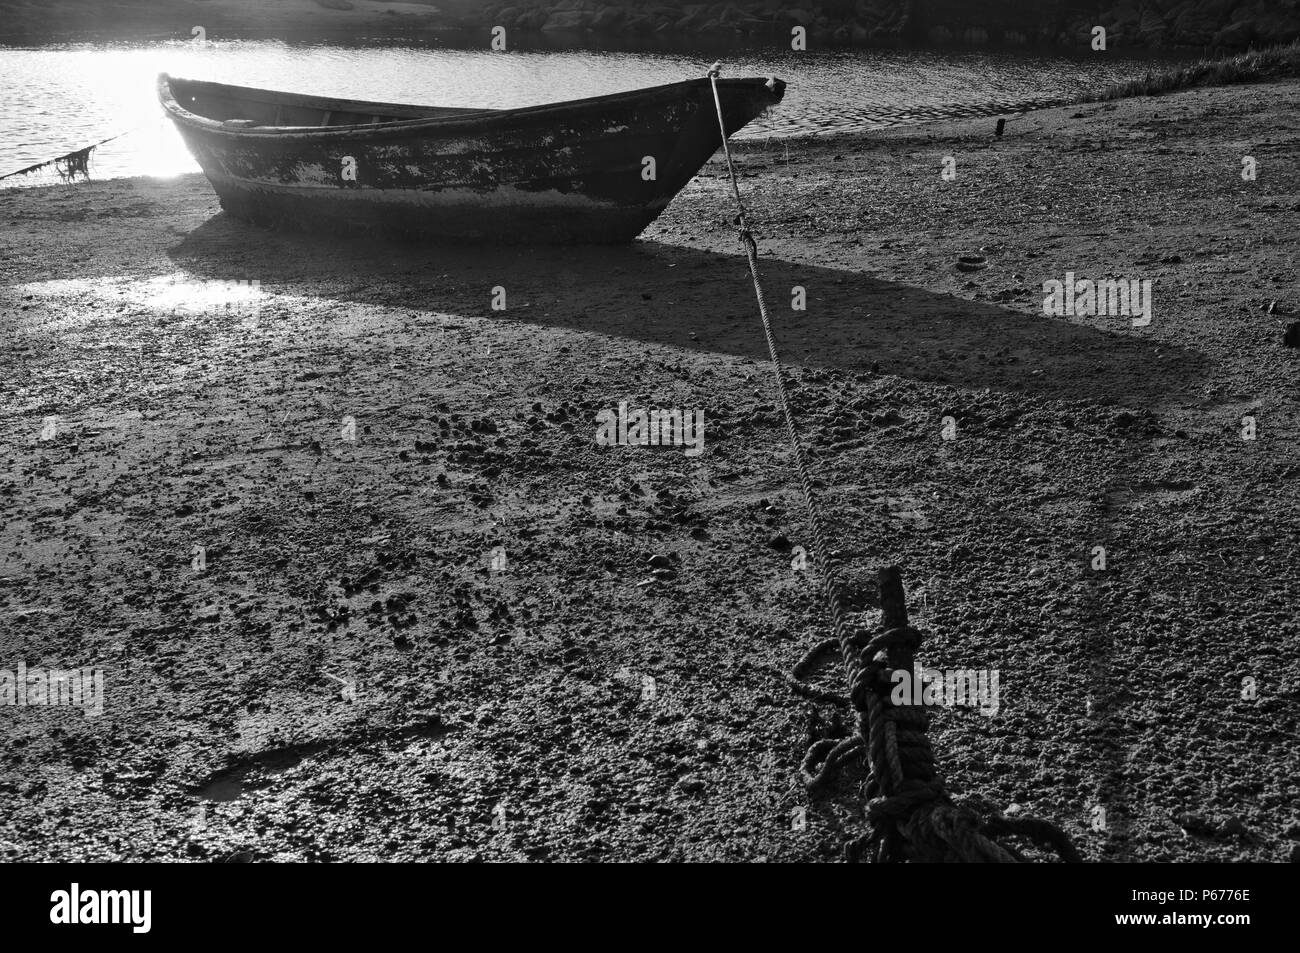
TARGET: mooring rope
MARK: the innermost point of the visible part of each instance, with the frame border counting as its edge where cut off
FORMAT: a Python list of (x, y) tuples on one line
[(70, 164), (910, 813)]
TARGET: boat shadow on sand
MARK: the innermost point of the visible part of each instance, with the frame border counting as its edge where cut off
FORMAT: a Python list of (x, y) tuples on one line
[(682, 297)]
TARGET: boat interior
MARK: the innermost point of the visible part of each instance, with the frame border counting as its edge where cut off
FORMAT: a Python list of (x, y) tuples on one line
[(249, 108)]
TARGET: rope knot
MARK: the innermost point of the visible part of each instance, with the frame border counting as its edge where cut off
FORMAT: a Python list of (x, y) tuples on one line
[(902, 637), (904, 802), (747, 237)]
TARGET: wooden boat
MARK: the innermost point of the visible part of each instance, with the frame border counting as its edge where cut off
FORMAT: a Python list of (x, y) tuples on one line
[(590, 170)]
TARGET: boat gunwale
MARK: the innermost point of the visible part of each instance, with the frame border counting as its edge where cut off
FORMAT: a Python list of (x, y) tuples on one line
[(471, 120)]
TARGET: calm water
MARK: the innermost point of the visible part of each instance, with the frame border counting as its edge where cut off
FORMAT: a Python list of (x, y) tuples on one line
[(61, 98)]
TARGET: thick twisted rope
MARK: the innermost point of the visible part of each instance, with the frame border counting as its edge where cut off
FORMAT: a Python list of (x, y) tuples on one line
[(908, 808)]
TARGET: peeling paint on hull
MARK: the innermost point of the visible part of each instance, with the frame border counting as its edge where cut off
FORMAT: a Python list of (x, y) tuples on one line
[(563, 173)]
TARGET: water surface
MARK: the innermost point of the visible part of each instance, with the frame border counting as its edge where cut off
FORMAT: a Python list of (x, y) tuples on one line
[(62, 97)]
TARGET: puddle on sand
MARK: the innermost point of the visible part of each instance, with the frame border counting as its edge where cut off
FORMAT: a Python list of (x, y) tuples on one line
[(177, 293), (230, 785), (223, 789), (1144, 494), (253, 771)]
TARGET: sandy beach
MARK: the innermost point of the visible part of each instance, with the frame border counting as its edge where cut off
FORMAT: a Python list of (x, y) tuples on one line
[(439, 634)]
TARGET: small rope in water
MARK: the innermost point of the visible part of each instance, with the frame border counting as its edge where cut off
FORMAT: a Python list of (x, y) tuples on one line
[(70, 164), (909, 810)]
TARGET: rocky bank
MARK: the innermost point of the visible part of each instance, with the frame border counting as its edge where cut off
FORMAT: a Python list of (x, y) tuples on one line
[(1222, 24), (1150, 24)]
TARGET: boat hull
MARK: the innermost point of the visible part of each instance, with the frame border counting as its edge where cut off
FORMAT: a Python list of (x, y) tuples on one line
[(597, 170)]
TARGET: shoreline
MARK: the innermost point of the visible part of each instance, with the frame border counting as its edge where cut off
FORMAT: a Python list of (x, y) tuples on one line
[(326, 559)]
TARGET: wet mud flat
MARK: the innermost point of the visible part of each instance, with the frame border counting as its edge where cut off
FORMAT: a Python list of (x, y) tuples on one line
[(363, 585)]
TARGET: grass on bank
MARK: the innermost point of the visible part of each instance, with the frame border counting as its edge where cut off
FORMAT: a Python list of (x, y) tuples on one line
[(1254, 66)]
